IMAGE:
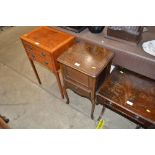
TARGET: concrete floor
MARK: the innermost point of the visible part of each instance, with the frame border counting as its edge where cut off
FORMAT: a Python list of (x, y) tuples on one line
[(30, 105)]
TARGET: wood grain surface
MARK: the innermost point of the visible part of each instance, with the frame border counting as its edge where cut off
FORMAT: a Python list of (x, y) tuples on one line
[(131, 94)]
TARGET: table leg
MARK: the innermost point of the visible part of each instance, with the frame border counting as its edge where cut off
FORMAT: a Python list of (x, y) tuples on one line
[(35, 71), (92, 109), (66, 95), (93, 97), (102, 112), (59, 84)]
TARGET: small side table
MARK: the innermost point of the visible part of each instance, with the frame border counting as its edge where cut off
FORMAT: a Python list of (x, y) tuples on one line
[(130, 95), (84, 67), (44, 45)]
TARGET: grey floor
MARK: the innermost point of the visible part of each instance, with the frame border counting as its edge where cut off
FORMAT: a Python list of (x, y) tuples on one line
[(30, 105)]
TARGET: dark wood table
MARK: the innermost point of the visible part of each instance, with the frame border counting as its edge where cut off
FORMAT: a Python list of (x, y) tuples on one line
[(84, 67), (129, 94), (44, 45)]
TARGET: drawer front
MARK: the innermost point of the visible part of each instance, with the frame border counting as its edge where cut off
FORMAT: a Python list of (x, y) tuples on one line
[(125, 112), (44, 61), (28, 47), (76, 76), (38, 55), (80, 91)]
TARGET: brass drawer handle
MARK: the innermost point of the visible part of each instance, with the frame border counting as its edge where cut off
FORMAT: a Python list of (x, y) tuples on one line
[(30, 48), (33, 56), (136, 117), (110, 104), (43, 54), (46, 62)]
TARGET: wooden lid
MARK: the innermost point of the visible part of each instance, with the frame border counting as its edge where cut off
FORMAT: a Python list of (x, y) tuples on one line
[(47, 38), (87, 58)]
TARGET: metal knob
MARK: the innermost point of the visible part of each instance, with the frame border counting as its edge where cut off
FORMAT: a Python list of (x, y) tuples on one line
[(110, 104), (136, 117), (33, 56), (43, 54), (30, 48), (46, 62)]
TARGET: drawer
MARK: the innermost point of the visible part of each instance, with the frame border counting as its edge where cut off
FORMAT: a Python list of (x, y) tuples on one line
[(76, 76), (128, 113), (31, 48), (79, 90), (38, 55), (44, 61)]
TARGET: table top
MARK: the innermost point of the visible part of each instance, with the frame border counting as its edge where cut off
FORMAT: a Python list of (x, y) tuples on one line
[(132, 92), (87, 58), (48, 38)]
